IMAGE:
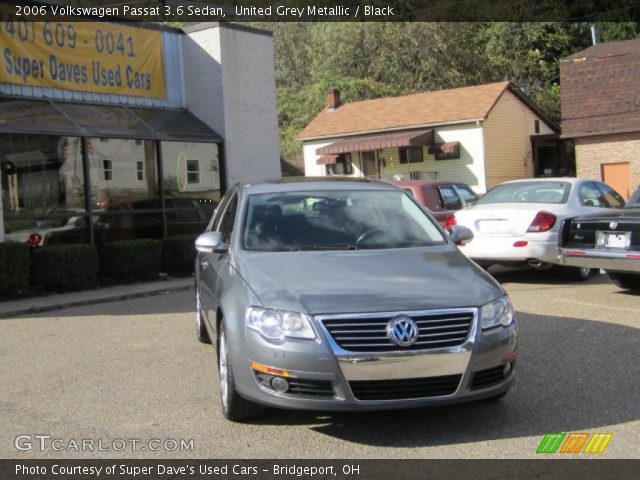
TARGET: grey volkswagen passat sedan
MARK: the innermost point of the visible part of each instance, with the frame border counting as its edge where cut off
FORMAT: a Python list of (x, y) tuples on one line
[(346, 295)]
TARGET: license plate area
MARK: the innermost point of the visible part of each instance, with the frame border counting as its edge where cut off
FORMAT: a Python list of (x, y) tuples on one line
[(494, 226), (613, 240)]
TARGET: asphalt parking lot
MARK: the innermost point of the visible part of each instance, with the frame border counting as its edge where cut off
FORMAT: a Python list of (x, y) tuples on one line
[(134, 370)]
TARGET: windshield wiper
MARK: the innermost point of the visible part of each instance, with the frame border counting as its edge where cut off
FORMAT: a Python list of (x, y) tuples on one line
[(301, 248)]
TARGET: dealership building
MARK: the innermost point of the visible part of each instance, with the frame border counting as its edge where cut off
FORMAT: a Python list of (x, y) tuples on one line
[(112, 131)]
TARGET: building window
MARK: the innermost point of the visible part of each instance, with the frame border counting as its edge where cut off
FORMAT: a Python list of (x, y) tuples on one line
[(138, 142), (411, 155), (107, 167), (140, 169), (536, 126), (104, 140), (193, 171), (343, 166)]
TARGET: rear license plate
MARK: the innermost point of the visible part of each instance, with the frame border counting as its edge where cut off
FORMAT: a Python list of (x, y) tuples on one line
[(613, 239), (498, 226)]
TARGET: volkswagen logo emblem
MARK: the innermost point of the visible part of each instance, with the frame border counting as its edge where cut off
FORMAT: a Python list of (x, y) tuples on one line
[(613, 225), (402, 331)]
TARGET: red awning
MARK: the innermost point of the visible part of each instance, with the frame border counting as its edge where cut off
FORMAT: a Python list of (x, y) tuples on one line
[(376, 142), (327, 160)]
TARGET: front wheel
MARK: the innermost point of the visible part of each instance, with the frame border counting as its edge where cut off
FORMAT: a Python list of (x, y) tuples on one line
[(579, 274), (627, 281), (234, 407)]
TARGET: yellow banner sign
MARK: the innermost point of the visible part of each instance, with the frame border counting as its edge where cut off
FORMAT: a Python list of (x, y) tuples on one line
[(86, 56)]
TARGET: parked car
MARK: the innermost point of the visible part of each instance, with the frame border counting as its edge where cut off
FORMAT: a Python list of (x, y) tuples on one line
[(441, 198), (609, 240), (67, 226), (517, 223), (346, 295)]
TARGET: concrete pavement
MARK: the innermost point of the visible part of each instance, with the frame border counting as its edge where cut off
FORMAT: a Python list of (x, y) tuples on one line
[(50, 303)]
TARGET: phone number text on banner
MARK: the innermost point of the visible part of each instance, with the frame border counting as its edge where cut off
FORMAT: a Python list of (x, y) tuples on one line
[(86, 56)]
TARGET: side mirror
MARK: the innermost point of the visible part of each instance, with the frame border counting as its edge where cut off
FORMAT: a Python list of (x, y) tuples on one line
[(460, 235), (211, 242)]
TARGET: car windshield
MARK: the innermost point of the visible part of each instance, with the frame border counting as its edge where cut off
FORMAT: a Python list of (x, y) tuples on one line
[(528, 192), (336, 220), (634, 200)]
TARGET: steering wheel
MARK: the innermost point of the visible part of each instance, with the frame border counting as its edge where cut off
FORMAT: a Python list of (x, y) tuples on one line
[(367, 234)]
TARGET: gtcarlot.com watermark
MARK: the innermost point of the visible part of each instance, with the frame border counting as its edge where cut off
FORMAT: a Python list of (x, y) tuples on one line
[(43, 443)]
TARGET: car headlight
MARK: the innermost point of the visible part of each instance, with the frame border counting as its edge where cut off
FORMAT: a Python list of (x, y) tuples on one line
[(277, 324), (498, 312)]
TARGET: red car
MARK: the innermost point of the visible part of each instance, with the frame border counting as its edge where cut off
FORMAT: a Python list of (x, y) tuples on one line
[(440, 197)]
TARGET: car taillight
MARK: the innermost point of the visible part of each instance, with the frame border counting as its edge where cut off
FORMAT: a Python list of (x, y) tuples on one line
[(543, 222), (34, 239), (450, 221)]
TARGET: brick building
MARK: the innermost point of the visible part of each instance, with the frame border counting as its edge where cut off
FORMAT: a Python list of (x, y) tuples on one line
[(601, 112)]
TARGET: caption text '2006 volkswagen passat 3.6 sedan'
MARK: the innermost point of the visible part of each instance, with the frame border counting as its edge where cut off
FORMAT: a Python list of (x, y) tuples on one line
[(346, 295)]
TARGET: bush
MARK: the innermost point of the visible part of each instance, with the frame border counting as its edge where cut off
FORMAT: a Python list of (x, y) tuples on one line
[(131, 260), (65, 267), (14, 267), (179, 254)]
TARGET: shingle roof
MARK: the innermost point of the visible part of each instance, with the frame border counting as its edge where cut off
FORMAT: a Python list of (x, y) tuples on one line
[(430, 108), (599, 89)]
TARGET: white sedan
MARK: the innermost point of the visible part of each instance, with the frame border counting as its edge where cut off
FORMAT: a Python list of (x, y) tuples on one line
[(517, 222)]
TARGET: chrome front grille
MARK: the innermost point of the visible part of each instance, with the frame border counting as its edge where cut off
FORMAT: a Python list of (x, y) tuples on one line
[(368, 332)]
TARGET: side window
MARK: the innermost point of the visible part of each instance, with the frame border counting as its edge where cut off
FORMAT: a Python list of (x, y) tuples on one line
[(590, 196), (225, 227), (613, 198), (467, 194), (449, 197)]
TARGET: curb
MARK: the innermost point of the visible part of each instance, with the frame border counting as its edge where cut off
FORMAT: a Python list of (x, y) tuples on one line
[(93, 301)]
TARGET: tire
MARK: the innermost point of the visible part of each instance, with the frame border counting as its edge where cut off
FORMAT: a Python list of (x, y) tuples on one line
[(234, 407), (579, 274), (627, 281), (201, 329)]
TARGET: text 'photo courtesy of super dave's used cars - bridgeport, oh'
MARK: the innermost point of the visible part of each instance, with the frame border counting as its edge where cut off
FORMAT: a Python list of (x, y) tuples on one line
[(346, 295)]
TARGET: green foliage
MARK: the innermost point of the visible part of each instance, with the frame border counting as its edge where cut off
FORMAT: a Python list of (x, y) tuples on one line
[(376, 59), (65, 267), (131, 260), (14, 267), (179, 254)]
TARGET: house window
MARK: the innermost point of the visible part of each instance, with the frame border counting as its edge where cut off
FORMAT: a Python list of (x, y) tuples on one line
[(411, 155), (536, 126), (343, 166), (107, 167), (193, 171), (447, 151), (140, 170)]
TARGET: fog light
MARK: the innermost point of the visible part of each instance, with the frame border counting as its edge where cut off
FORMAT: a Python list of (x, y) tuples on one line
[(279, 384), (506, 370)]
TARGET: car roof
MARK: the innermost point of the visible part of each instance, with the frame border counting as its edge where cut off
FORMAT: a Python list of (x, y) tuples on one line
[(307, 184), (571, 180), (419, 183)]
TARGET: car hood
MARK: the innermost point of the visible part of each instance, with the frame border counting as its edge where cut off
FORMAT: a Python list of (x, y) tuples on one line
[(367, 280)]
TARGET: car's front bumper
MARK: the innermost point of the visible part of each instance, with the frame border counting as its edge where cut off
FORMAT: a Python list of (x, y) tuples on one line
[(615, 261), (320, 361)]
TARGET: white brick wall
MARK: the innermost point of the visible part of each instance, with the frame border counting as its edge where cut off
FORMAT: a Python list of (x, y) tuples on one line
[(230, 85)]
